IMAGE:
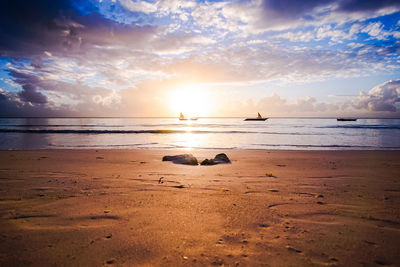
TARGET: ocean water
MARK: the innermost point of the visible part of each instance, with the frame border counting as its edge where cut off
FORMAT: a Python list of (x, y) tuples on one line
[(205, 133)]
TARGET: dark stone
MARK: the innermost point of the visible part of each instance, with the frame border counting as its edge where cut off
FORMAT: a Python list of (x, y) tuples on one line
[(221, 159), (186, 159), (208, 162)]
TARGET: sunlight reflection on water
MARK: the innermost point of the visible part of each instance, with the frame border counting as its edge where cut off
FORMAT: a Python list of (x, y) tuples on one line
[(170, 133)]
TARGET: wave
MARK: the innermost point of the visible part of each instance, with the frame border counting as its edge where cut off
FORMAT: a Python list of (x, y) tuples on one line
[(102, 145), (326, 146), (161, 131), (375, 127), (83, 131), (123, 126), (59, 125), (48, 127), (250, 146)]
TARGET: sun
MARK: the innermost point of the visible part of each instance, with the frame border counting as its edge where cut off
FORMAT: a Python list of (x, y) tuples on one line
[(189, 99)]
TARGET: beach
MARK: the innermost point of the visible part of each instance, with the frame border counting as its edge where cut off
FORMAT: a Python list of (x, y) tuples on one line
[(266, 208)]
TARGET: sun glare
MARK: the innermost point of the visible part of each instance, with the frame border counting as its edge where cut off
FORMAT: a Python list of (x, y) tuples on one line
[(191, 100)]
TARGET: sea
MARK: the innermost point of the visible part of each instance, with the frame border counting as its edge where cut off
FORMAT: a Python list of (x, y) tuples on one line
[(205, 133)]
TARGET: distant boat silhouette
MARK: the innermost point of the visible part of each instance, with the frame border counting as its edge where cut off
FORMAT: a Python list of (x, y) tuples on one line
[(346, 119), (259, 118), (183, 118)]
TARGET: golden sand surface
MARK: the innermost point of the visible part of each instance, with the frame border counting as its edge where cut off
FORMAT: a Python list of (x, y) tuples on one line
[(267, 208)]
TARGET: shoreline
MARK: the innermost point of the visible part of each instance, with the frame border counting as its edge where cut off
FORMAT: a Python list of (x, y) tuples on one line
[(188, 150), (94, 207)]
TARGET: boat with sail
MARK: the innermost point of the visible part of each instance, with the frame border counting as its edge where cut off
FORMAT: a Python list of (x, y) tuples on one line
[(346, 119), (183, 118), (259, 118)]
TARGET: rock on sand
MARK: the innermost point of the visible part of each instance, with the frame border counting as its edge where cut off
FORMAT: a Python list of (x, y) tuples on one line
[(187, 159), (221, 158)]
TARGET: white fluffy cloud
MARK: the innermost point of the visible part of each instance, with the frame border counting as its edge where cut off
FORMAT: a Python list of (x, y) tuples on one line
[(383, 97), (382, 100), (138, 6)]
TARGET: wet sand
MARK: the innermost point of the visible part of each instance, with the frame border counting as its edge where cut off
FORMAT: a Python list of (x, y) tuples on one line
[(267, 208)]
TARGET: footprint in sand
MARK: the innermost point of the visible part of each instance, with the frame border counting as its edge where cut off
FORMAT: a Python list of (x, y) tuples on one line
[(112, 261), (290, 248), (178, 186), (277, 204), (53, 222), (382, 262)]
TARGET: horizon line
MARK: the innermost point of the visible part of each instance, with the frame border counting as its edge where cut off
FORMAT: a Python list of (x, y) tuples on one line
[(169, 117)]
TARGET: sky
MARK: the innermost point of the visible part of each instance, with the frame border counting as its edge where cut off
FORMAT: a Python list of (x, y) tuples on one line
[(282, 58)]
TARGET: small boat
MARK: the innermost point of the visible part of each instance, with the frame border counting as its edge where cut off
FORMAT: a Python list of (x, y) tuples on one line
[(346, 119), (183, 118), (259, 118)]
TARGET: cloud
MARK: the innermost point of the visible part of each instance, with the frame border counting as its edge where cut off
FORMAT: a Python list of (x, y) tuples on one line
[(162, 7), (317, 34), (3, 97), (29, 26), (382, 101), (180, 43), (12, 106), (285, 11), (66, 98), (34, 28), (292, 14), (366, 5), (29, 91), (30, 94), (383, 97), (339, 33), (81, 57), (140, 6), (97, 82), (276, 106)]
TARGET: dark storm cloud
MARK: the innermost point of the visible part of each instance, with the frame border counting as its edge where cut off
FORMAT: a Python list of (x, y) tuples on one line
[(38, 30), (30, 94), (29, 28), (363, 5), (11, 106), (29, 86), (91, 101), (292, 10), (2, 97)]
